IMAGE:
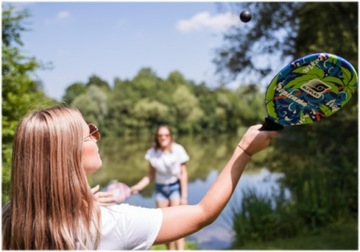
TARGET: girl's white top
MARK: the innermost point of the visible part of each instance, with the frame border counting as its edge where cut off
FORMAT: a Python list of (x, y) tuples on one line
[(167, 164)]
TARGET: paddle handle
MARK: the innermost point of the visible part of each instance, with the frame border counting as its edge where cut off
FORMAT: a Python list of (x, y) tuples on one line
[(270, 125)]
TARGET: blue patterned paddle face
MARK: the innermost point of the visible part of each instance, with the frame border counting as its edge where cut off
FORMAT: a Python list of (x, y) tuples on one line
[(308, 90)]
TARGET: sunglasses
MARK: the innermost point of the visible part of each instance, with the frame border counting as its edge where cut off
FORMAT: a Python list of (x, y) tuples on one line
[(163, 135), (94, 132)]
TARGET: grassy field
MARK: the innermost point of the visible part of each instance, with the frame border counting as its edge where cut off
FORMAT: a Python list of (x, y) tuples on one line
[(338, 237), (342, 236)]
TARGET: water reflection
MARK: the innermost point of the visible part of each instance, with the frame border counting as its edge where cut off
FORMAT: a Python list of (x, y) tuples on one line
[(219, 235), (123, 160)]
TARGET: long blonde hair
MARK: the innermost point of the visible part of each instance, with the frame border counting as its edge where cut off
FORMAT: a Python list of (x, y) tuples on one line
[(51, 205)]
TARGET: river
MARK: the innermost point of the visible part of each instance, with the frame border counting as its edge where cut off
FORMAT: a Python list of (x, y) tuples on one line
[(124, 161), (219, 235)]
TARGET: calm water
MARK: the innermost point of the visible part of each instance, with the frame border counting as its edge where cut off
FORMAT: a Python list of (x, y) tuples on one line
[(123, 160), (219, 235)]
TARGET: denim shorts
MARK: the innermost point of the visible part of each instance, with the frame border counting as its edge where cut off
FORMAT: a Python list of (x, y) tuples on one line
[(168, 192)]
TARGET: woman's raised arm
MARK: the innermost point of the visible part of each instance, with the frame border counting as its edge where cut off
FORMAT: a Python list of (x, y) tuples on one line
[(184, 220)]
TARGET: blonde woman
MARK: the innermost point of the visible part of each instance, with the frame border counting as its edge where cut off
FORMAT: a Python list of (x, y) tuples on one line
[(52, 206)]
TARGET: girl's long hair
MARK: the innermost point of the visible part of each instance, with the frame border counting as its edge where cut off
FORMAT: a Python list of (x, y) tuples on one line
[(51, 205)]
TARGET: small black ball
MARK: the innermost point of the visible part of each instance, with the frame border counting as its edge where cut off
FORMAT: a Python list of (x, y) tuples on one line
[(245, 16)]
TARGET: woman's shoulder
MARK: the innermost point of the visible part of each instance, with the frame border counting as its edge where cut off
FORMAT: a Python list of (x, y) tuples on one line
[(124, 210), (114, 208), (151, 152), (176, 146), (180, 151), (125, 226)]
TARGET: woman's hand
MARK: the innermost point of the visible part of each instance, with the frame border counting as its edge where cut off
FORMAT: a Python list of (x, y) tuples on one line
[(255, 141), (135, 189), (103, 198)]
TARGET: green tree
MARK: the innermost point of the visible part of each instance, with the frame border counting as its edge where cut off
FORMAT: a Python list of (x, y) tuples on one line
[(20, 92), (146, 82), (176, 78), (98, 82), (208, 104), (334, 29), (73, 91), (121, 102), (187, 110), (250, 102), (93, 105), (151, 113)]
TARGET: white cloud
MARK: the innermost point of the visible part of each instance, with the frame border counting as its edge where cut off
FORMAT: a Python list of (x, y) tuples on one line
[(206, 21), (60, 18), (63, 14)]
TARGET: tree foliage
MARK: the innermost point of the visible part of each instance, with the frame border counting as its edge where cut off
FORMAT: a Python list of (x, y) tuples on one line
[(73, 91), (20, 92), (92, 104), (282, 31), (137, 106)]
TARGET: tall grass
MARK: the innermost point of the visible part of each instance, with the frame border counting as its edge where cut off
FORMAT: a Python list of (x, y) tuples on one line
[(264, 217)]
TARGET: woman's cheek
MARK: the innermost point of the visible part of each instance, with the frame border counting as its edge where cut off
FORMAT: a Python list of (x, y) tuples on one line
[(91, 159)]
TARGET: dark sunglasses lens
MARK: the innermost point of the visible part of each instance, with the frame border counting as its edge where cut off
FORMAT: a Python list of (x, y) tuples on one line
[(163, 135), (94, 132)]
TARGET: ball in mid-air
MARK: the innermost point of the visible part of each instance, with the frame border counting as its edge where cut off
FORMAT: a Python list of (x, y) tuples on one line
[(245, 16)]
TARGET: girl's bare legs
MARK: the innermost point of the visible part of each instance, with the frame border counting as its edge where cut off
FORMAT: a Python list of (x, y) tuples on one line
[(180, 244), (163, 204)]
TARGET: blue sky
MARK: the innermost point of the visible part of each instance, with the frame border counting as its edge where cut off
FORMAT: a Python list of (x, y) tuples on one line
[(117, 39)]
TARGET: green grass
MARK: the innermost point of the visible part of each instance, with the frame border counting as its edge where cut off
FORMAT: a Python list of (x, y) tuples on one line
[(189, 245), (342, 236)]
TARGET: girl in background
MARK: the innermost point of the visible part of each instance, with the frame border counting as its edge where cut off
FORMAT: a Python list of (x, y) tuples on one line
[(167, 165)]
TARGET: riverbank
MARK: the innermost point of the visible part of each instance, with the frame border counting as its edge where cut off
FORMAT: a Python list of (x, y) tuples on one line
[(342, 236)]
